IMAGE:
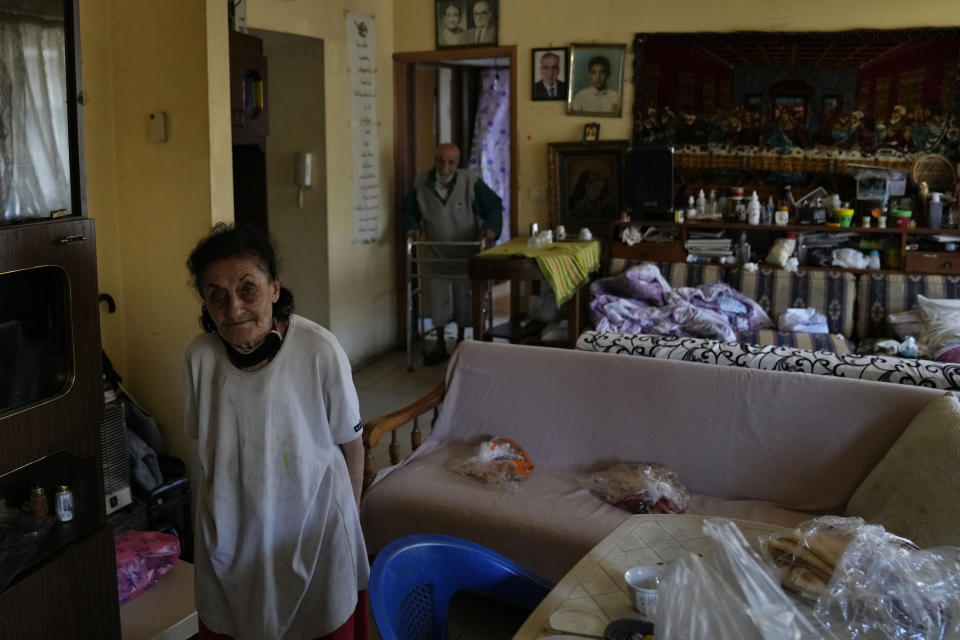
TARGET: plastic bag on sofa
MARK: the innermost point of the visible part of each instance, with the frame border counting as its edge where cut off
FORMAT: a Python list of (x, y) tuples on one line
[(803, 321), (641, 487), (143, 557), (496, 461)]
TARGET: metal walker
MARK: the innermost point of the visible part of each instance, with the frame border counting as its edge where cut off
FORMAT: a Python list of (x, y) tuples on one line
[(416, 274)]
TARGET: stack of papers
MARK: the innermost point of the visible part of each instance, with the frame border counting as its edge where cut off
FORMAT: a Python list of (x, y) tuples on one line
[(709, 247)]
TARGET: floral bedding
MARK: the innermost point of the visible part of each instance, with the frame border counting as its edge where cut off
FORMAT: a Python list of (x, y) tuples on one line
[(640, 300)]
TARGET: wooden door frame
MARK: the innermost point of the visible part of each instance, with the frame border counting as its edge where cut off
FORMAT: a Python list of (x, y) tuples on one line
[(404, 161)]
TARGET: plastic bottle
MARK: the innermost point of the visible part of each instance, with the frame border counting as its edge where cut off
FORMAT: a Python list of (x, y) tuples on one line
[(712, 205), (935, 212), (753, 209), (701, 205), (789, 201), (873, 260), (691, 209), (743, 249), (768, 211)]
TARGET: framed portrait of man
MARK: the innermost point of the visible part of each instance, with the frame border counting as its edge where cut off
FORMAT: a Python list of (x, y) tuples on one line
[(467, 23), (550, 74), (596, 77)]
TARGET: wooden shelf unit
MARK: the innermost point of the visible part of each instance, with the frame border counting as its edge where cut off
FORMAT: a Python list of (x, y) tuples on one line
[(912, 261)]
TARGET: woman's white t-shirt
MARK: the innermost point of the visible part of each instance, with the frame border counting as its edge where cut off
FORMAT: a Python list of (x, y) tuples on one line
[(279, 549)]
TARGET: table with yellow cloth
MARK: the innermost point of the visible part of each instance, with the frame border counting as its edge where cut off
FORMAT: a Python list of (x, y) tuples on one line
[(566, 266)]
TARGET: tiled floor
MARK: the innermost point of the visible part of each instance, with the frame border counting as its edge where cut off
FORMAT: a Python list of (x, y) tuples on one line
[(385, 386)]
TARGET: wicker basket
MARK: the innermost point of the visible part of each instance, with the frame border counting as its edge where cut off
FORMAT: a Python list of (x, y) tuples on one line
[(939, 174)]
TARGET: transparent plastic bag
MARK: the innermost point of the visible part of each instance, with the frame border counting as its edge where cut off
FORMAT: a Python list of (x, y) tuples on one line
[(883, 586), (496, 461), (739, 597), (806, 557), (641, 487)]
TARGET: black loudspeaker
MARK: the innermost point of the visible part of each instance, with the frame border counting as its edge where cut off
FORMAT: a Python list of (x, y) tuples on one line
[(648, 183)]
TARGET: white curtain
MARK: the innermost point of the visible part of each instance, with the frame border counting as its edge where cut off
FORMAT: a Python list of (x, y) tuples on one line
[(490, 151), (34, 141)]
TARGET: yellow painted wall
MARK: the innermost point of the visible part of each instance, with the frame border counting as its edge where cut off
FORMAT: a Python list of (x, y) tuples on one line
[(362, 304), (152, 202), (548, 23)]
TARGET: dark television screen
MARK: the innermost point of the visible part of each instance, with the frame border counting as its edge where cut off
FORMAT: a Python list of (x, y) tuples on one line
[(648, 183)]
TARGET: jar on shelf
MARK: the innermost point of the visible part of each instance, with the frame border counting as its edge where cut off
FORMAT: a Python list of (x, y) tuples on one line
[(39, 504), (64, 503)]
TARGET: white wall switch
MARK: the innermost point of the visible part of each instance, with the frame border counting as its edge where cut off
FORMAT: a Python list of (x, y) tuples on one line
[(157, 127)]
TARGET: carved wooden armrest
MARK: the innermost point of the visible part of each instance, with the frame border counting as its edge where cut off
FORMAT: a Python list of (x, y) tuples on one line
[(381, 425)]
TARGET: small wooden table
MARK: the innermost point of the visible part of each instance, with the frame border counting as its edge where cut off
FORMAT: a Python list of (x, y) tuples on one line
[(595, 586), (165, 611), (515, 268)]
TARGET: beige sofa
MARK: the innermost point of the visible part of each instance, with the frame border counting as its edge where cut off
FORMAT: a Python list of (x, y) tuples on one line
[(760, 445)]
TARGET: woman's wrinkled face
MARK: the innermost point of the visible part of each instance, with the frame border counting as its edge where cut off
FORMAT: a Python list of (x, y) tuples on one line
[(239, 296)]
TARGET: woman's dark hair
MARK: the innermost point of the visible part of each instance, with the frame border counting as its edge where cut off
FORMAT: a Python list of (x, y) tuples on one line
[(228, 241)]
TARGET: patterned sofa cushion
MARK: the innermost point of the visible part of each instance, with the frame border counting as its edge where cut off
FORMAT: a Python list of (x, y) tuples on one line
[(880, 294), (925, 373), (833, 342), (832, 293)]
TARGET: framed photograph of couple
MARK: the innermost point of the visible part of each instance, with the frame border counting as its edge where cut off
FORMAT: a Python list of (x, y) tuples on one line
[(550, 73), (585, 184), (596, 76), (466, 23)]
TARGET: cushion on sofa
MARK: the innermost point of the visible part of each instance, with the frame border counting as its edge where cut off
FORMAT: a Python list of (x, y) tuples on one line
[(914, 491), (678, 274), (832, 293), (882, 294), (833, 342), (909, 371)]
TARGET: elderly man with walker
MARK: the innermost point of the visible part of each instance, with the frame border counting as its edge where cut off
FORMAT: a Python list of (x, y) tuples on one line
[(448, 204)]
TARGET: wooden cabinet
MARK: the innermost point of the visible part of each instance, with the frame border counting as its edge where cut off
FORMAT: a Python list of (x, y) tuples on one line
[(67, 420), (67, 598), (63, 580), (944, 262)]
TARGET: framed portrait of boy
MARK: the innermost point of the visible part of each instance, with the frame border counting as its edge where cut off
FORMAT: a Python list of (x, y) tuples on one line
[(550, 74), (466, 23), (596, 77)]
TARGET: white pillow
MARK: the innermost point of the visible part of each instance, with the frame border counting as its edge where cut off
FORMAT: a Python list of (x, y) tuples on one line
[(914, 491), (942, 323)]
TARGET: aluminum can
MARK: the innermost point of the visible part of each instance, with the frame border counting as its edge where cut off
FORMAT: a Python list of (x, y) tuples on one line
[(64, 503)]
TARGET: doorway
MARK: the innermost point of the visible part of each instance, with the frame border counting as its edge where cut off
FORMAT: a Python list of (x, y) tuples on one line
[(436, 95)]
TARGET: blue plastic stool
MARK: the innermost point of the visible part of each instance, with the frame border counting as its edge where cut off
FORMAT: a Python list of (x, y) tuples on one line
[(414, 578)]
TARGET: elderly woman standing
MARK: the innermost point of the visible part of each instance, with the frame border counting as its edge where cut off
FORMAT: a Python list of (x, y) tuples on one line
[(271, 402)]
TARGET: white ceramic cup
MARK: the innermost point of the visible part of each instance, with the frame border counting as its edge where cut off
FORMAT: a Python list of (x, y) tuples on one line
[(644, 582)]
